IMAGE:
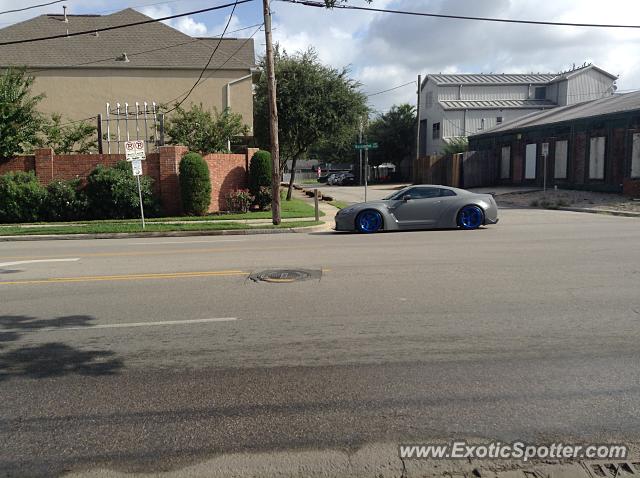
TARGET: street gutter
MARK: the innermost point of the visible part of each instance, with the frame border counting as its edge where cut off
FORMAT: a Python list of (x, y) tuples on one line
[(127, 235)]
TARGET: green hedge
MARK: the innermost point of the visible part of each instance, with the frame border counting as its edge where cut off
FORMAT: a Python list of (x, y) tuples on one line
[(195, 185), (260, 170), (22, 197), (112, 193)]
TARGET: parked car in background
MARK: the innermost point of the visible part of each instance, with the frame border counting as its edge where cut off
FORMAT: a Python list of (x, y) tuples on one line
[(346, 179)]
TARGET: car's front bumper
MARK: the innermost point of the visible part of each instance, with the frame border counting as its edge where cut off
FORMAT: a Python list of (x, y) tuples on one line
[(344, 222)]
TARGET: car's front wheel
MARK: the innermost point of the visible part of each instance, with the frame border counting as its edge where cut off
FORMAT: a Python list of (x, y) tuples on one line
[(470, 217), (369, 221)]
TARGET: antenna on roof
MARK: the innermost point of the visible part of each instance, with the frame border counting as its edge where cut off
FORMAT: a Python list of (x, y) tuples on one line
[(64, 9)]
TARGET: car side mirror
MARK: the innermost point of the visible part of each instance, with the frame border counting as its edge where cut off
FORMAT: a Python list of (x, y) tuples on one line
[(406, 197)]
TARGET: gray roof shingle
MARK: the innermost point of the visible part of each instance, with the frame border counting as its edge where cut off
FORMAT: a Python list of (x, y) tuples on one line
[(604, 106), (492, 79), (154, 45), (493, 104)]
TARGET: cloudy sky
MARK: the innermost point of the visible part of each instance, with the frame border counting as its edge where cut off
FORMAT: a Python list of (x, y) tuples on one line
[(386, 50)]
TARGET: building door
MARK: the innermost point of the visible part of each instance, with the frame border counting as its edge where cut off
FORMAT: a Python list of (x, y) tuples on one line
[(530, 162)]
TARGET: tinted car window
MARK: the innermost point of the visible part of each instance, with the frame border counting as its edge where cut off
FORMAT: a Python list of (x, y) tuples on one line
[(447, 192), (424, 193)]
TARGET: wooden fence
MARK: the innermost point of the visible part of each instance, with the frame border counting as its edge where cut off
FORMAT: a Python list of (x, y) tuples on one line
[(464, 170)]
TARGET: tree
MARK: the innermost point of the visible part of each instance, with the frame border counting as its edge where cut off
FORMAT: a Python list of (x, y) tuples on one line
[(20, 122), (315, 103), (456, 145), (195, 185), (395, 133), (76, 137), (203, 131)]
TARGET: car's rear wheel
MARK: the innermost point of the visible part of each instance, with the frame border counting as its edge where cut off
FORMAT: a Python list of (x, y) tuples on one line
[(369, 221), (470, 217)]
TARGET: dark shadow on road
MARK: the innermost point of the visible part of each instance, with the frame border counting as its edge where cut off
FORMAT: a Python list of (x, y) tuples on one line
[(51, 359)]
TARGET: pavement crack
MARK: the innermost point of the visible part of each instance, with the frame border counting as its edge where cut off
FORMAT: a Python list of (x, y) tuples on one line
[(404, 469)]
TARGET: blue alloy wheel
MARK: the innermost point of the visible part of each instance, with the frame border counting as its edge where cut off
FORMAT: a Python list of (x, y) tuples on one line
[(470, 217), (369, 221)]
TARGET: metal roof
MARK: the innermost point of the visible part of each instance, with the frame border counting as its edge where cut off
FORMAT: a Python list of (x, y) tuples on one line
[(604, 106), (495, 104), (153, 45), (492, 79)]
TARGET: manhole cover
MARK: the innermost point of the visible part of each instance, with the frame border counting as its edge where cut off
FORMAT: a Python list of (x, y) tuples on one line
[(285, 275)]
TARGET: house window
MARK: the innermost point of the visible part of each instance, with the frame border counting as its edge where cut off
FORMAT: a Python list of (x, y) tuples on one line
[(596, 157), (540, 92), (435, 133), (498, 119), (560, 168), (505, 162), (530, 161), (635, 156)]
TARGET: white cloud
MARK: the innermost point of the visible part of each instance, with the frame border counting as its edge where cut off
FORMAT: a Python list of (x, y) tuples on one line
[(189, 26)]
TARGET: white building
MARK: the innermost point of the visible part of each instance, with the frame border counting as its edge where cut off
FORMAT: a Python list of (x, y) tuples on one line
[(459, 105)]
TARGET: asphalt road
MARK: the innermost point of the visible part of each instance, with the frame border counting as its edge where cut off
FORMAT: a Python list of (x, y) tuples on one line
[(160, 354)]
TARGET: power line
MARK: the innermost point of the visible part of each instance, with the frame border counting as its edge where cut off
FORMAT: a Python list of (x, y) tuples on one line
[(16, 10), (309, 3), (391, 89), (208, 62), (116, 27), (220, 66)]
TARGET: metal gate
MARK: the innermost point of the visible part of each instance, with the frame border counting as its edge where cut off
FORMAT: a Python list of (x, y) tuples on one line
[(124, 122)]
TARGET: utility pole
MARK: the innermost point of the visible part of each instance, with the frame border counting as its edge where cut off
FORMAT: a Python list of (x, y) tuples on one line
[(273, 117), (360, 154), (418, 118), (366, 170)]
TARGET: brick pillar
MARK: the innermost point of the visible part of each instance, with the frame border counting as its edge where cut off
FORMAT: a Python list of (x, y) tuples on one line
[(168, 178), (44, 165)]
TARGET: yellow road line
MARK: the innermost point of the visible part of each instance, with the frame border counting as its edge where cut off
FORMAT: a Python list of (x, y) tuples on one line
[(167, 275)]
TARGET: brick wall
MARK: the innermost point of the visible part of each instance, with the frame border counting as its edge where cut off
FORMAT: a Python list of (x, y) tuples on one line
[(631, 187), (228, 171)]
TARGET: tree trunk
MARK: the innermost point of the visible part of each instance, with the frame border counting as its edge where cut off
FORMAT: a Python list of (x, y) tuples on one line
[(293, 177)]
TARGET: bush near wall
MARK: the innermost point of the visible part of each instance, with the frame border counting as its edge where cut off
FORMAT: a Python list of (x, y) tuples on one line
[(112, 193), (21, 197), (195, 185), (260, 170)]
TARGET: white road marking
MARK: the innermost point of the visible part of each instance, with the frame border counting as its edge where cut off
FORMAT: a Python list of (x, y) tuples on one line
[(134, 324), (36, 261), (181, 242)]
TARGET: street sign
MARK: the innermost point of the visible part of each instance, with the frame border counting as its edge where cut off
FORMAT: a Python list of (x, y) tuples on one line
[(134, 150), (136, 165), (366, 146)]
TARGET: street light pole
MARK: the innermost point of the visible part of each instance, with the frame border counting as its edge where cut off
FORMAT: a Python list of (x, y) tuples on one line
[(273, 117)]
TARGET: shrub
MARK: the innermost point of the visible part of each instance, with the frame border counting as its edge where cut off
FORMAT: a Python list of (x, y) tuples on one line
[(112, 193), (259, 172), (263, 198), (239, 201), (195, 185), (21, 197), (64, 201)]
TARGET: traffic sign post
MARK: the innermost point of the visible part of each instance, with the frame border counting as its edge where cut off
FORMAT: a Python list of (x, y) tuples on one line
[(545, 154), (134, 153), (366, 147)]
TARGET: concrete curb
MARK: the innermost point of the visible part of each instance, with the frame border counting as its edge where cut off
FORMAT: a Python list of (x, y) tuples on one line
[(608, 212), (127, 235)]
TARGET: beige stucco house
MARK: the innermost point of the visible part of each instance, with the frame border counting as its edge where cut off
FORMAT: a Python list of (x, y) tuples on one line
[(146, 63)]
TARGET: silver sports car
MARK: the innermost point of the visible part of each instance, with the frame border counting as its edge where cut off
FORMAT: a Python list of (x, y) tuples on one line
[(422, 206)]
